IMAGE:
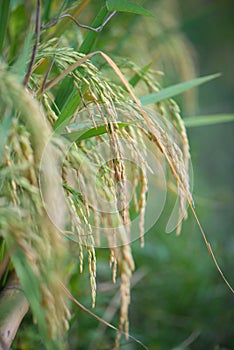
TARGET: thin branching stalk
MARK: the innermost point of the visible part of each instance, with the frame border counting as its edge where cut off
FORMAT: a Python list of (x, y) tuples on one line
[(35, 47)]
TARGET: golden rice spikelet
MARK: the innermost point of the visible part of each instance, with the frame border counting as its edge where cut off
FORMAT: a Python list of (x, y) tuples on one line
[(39, 241)]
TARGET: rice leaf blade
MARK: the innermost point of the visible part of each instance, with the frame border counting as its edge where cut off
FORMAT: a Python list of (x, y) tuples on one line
[(89, 131), (89, 41), (127, 6), (68, 109), (20, 65), (72, 101), (4, 15), (32, 290), (136, 78), (204, 120), (63, 93), (4, 131), (174, 90)]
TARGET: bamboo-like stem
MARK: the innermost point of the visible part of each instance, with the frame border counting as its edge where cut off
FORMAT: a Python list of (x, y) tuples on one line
[(13, 306)]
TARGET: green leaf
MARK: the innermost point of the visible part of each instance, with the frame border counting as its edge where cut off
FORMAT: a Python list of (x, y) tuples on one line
[(136, 78), (4, 132), (127, 6), (47, 9), (20, 66), (4, 15), (71, 99), (90, 38), (68, 109), (76, 194), (18, 28), (31, 288), (203, 120), (86, 131), (67, 96), (174, 90), (65, 89)]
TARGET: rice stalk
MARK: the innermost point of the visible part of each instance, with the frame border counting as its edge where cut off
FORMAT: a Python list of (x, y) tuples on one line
[(107, 100), (161, 131), (27, 228), (94, 94)]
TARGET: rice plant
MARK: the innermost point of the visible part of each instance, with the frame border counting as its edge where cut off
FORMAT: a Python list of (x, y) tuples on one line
[(74, 133)]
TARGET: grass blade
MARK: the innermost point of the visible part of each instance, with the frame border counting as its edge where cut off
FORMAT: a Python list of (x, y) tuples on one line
[(127, 6), (4, 15), (4, 132), (68, 109), (63, 93), (136, 78), (31, 288), (60, 26), (88, 131), (47, 9), (91, 36), (71, 102), (174, 90), (20, 65), (203, 120)]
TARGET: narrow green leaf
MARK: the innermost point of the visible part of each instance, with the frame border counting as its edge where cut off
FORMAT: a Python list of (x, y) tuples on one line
[(127, 6), (64, 4), (29, 282), (20, 65), (68, 110), (4, 15), (30, 285), (86, 131), (47, 9), (64, 91), (4, 131), (136, 78), (203, 120), (89, 41), (76, 194), (72, 100), (174, 90), (31, 288), (17, 28)]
